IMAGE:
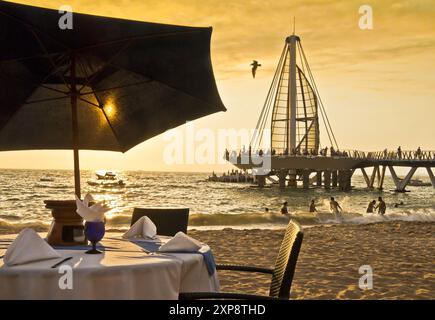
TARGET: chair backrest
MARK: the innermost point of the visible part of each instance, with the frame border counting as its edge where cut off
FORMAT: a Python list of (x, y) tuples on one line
[(285, 264), (168, 221)]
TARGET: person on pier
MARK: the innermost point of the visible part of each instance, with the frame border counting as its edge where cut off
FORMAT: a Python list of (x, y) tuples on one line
[(371, 207), (284, 209), (382, 206), (399, 153)]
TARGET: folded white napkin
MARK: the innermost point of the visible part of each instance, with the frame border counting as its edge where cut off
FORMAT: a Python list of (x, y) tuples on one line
[(142, 228), (27, 247), (181, 242), (92, 213)]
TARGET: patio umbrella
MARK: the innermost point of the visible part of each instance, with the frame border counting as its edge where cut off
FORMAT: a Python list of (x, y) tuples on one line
[(107, 84)]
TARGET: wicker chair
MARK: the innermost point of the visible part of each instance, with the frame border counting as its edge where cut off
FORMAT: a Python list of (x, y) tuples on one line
[(282, 274), (168, 221)]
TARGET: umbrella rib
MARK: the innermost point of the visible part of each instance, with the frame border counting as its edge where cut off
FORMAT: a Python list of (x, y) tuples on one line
[(90, 102), (105, 65), (49, 57), (105, 115), (44, 100), (111, 128), (114, 88)]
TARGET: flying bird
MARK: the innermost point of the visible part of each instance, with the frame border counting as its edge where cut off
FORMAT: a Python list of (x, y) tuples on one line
[(255, 65)]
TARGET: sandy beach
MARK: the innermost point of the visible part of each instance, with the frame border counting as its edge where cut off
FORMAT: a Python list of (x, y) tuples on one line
[(400, 253)]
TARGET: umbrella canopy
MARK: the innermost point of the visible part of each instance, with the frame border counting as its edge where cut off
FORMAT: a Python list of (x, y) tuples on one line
[(107, 84)]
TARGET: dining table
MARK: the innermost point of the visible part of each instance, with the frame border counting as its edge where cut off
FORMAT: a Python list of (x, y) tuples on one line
[(126, 269)]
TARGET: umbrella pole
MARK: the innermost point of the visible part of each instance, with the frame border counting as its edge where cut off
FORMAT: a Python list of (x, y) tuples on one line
[(75, 129)]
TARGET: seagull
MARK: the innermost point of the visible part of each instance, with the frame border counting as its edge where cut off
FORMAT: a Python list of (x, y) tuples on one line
[(255, 65)]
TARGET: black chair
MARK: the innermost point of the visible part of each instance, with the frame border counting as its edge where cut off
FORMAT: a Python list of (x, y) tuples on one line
[(168, 221), (282, 274)]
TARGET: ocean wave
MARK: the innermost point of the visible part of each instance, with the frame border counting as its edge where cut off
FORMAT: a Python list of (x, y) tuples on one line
[(15, 227)]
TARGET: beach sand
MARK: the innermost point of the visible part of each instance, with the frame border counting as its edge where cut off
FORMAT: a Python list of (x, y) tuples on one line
[(401, 255)]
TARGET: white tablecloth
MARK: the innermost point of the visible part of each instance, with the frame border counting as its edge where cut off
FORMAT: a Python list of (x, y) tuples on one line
[(123, 271)]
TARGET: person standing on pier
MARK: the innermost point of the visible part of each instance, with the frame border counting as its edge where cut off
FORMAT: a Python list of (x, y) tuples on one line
[(399, 153), (382, 206), (371, 206), (284, 209)]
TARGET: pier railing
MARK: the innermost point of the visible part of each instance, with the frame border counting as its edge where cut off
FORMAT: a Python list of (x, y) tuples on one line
[(396, 155)]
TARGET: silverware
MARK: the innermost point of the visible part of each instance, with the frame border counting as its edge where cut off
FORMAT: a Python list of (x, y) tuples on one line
[(60, 262)]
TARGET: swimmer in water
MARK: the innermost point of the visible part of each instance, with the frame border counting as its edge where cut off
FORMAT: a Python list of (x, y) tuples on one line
[(371, 207), (313, 206), (382, 206), (284, 209), (335, 208)]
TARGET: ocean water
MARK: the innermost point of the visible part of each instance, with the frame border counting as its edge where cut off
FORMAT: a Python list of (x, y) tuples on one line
[(212, 204)]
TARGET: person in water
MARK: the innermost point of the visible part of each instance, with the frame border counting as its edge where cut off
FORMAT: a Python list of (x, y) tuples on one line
[(284, 209), (335, 206), (396, 205), (371, 206), (382, 206), (313, 206)]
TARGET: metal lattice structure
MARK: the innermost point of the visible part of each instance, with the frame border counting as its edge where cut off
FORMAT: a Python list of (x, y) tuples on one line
[(293, 106)]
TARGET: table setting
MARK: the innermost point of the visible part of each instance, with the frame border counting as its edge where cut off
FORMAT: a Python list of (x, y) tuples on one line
[(139, 264)]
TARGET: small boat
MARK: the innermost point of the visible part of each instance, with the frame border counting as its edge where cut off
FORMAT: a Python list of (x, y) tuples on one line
[(108, 184), (105, 175), (46, 179)]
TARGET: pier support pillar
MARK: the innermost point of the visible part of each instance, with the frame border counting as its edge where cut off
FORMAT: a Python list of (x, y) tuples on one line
[(292, 183), (344, 180), (382, 178), (306, 179), (327, 179), (261, 181), (282, 176), (319, 178), (431, 176), (334, 179), (366, 178), (401, 183)]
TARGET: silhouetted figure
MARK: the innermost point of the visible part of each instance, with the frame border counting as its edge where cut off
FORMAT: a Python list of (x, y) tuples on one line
[(284, 209), (418, 153), (396, 205), (382, 206), (371, 206), (399, 152), (255, 65), (313, 206), (334, 206)]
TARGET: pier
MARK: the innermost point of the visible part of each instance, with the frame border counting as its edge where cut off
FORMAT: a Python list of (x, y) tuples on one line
[(336, 171), (293, 110)]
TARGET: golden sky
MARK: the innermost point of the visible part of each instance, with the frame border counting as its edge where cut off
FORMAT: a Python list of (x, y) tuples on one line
[(377, 85)]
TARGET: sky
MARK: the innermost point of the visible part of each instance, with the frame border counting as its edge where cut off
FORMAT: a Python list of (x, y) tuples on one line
[(377, 85)]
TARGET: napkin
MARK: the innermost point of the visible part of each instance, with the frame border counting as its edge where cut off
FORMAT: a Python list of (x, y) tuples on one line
[(27, 247), (92, 213), (181, 242), (142, 228)]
